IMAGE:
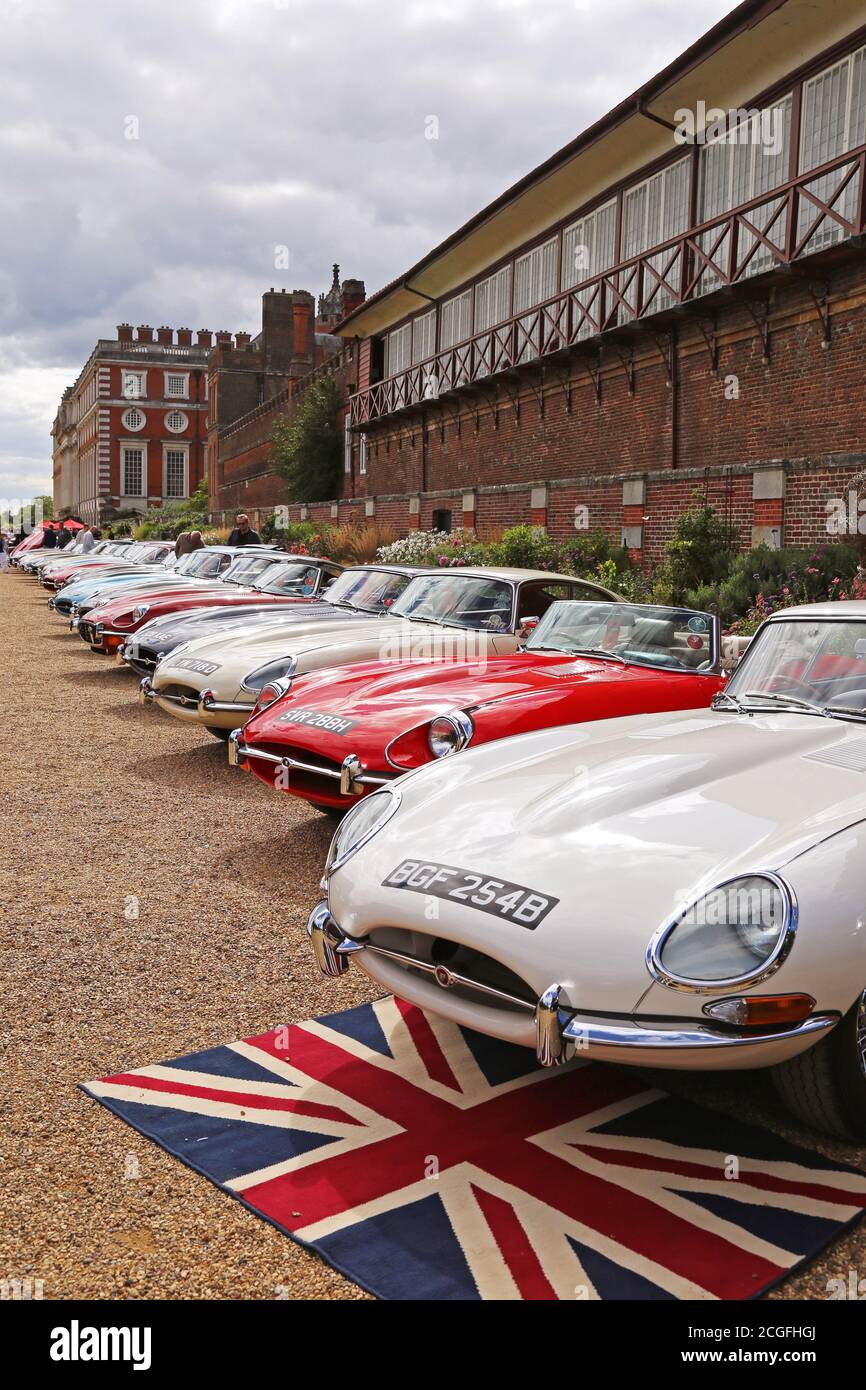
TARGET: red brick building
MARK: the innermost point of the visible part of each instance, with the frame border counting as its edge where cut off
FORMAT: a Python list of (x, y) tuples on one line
[(131, 433), (253, 381), (673, 301)]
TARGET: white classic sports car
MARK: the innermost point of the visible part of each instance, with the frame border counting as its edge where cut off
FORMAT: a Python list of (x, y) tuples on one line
[(671, 890), (456, 613)]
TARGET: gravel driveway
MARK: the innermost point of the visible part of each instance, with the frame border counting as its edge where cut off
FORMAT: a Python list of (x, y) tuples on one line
[(105, 802)]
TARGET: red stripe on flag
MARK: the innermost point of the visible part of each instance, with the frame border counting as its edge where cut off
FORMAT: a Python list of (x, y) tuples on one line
[(514, 1246), (767, 1182), (429, 1050), (242, 1098)]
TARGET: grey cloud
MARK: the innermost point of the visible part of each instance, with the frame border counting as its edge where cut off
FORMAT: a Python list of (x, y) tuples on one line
[(262, 124)]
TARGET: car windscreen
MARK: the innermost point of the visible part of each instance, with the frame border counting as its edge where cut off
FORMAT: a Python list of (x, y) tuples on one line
[(368, 591), (641, 634), (246, 569), (805, 664), (458, 600), (297, 579)]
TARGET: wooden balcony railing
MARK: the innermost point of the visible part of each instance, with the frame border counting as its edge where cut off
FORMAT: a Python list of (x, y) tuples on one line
[(811, 213)]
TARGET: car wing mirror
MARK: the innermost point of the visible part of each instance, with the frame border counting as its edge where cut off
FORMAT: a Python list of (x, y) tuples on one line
[(525, 626)]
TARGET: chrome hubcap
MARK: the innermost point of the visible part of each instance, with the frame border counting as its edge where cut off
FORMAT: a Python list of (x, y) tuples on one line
[(861, 1032)]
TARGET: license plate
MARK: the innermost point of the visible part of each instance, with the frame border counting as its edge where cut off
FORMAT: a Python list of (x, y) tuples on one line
[(511, 902), (319, 719), (202, 668)]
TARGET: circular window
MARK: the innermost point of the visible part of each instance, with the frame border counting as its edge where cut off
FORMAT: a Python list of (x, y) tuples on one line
[(176, 421), (133, 419)]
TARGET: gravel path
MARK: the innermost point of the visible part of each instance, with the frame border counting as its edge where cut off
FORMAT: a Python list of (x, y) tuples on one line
[(225, 871)]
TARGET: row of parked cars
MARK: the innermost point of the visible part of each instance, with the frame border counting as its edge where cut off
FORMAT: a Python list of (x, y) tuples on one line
[(562, 819)]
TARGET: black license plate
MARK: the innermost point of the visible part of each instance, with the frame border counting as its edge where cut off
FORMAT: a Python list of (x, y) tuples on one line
[(511, 902)]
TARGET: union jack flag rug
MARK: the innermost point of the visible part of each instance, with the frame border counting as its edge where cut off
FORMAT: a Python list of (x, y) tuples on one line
[(428, 1162)]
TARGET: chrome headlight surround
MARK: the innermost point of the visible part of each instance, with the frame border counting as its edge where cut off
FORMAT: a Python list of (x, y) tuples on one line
[(287, 667), (139, 611), (787, 932), (383, 805), (456, 733)]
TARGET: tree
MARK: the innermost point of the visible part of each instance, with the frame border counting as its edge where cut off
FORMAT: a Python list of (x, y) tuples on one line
[(307, 447)]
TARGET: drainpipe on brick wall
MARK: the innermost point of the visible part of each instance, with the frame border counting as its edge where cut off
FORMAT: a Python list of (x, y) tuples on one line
[(675, 401)]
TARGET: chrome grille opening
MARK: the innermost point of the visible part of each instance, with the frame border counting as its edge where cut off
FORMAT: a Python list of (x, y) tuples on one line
[(483, 980)]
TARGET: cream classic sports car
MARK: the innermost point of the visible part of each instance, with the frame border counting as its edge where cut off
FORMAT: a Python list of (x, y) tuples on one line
[(460, 613), (671, 890)]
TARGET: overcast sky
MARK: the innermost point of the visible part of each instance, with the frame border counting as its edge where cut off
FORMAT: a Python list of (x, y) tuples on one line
[(262, 124)]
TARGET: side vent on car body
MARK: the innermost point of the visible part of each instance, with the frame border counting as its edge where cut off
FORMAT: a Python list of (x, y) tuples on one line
[(851, 754)]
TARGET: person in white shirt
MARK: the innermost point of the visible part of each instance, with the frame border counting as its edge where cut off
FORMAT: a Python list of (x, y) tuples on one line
[(87, 541)]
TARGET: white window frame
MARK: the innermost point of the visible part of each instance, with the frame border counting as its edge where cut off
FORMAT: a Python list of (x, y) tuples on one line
[(493, 293), (137, 446), (347, 443), (170, 395), (136, 392), (127, 423), (362, 454), (182, 449), (399, 346), (455, 314), (423, 336), (820, 143), (183, 415)]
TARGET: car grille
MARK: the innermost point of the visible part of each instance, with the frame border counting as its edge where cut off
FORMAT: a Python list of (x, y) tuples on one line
[(184, 696), (481, 979), (87, 632), (144, 661)]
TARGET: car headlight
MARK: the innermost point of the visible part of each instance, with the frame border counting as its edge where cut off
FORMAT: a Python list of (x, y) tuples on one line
[(737, 933), (359, 826), (281, 670), (448, 733), (139, 611)]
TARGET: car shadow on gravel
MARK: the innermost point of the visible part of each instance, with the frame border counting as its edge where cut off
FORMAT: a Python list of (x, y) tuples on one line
[(97, 672), (206, 764)]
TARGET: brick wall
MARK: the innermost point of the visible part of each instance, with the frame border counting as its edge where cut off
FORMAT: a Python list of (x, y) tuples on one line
[(764, 419)]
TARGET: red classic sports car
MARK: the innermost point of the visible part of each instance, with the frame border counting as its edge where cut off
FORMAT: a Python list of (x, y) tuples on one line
[(330, 738)]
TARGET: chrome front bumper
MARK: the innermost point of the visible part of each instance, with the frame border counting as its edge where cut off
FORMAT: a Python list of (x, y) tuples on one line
[(350, 775), (560, 1032), (205, 704)]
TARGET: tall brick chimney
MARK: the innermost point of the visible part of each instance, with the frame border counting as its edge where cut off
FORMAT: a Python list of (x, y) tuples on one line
[(184, 337), (124, 332), (353, 293), (165, 335), (223, 339), (204, 338), (277, 330), (145, 333), (303, 318), (242, 340)]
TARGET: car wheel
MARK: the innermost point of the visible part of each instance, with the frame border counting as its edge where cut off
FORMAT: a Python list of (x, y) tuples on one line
[(826, 1086), (221, 734)]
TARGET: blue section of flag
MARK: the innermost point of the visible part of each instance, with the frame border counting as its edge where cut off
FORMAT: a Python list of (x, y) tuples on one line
[(223, 1148), (224, 1061), (796, 1231), (408, 1253), (499, 1061), (362, 1025), (675, 1116), (612, 1280)]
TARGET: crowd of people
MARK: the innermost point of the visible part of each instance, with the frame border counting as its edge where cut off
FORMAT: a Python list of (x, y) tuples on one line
[(59, 536)]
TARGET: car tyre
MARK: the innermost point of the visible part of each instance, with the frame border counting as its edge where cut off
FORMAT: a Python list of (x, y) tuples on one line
[(826, 1086), (221, 734)]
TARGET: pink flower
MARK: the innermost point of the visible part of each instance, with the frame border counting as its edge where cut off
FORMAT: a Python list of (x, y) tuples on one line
[(443, 559)]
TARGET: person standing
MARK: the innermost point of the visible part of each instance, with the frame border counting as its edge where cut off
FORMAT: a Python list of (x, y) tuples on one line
[(243, 534), (87, 540), (49, 539)]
